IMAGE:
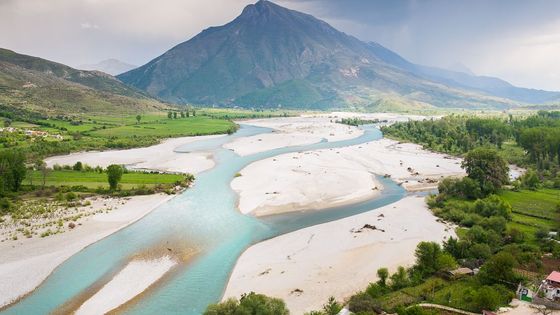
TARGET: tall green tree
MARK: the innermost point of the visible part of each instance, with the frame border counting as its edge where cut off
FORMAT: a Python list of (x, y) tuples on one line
[(498, 269), (138, 118), (382, 274), (487, 167), (114, 175), (12, 170)]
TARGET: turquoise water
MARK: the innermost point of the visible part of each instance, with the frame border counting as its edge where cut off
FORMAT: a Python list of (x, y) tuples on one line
[(205, 217)]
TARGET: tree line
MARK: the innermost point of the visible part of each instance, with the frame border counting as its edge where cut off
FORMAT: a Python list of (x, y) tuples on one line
[(537, 135)]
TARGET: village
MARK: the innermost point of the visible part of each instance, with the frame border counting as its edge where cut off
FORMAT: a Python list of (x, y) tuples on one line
[(30, 133)]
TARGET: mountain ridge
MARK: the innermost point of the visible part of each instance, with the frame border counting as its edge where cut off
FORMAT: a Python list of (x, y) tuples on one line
[(273, 56), (110, 66), (51, 87)]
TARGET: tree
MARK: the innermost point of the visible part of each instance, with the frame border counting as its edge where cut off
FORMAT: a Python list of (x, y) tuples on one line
[(187, 114), (182, 114), (174, 115), (138, 118), (427, 254), (487, 167), (332, 307), (530, 180), (12, 170), (498, 269), (114, 175), (78, 166), (251, 303), (383, 274), (169, 115), (445, 262), (486, 298), (493, 205), (7, 122), (399, 279), (41, 166)]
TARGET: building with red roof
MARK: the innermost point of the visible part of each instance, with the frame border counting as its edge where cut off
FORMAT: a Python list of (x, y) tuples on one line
[(551, 286)]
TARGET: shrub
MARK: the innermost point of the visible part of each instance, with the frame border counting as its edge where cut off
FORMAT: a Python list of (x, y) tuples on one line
[(71, 196), (363, 303), (251, 303), (78, 166)]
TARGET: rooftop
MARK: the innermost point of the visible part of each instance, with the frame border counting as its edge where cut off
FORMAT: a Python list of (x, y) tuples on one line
[(554, 276)]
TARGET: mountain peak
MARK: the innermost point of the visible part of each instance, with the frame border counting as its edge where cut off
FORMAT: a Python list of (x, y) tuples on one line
[(262, 7), (271, 55)]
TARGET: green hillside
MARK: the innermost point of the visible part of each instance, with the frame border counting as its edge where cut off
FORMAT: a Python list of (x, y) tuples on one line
[(51, 88)]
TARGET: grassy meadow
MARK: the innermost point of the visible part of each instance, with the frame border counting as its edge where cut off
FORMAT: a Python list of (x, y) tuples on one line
[(94, 180)]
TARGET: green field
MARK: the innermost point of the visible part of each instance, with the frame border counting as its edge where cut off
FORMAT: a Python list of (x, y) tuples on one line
[(164, 127), (541, 203), (94, 180), (85, 132), (533, 210)]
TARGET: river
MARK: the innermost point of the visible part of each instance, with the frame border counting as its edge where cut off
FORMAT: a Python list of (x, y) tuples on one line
[(203, 219)]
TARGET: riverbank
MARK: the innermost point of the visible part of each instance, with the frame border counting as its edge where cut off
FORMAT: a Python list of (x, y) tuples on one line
[(338, 258), (332, 177), (160, 157), (133, 279), (27, 262), (292, 131)]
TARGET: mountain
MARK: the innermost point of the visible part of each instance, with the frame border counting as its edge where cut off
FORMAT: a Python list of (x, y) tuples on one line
[(458, 67), (110, 66), (49, 87), (273, 56)]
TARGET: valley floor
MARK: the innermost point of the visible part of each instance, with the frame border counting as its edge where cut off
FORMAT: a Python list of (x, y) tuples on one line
[(338, 258), (304, 267)]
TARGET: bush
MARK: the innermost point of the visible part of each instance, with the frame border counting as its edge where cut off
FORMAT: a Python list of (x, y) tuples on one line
[(71, 196), (251, 303), (499, 269), (78, 166), (362, 302), (6, 205), (486, 298), (114, 175)]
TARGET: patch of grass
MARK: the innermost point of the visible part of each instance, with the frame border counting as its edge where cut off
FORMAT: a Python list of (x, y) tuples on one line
[(412, 295), (528, 230), (94, 180), (541, 203), (532, 221), (165, 127)]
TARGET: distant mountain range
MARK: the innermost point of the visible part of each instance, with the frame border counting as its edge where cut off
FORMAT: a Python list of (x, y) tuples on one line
[(49, 87), (110, 66), (271, 56)]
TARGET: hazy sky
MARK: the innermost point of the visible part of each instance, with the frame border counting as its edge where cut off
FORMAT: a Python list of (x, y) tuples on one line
[(517, 40)]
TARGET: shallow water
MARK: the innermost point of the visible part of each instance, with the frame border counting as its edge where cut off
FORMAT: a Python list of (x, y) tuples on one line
[(203, 217)]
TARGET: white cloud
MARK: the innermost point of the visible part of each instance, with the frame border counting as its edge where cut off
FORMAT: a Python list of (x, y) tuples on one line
[(528, 58), (492, 38), (87, 25)]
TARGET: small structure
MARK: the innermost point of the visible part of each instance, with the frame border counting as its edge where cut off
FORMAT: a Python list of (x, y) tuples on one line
[(524, 293), (551, 286), (460, 273)]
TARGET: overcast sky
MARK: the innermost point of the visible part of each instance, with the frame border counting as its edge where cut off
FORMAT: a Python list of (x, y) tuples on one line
[(516, 40)]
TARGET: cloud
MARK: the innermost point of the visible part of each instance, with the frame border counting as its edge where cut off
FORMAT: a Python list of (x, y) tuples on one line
[(87, 25), (513, 39)]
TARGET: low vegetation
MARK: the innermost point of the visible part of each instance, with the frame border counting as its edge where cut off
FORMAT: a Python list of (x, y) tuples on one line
[(251, 303), (503, 228), (358, 121)]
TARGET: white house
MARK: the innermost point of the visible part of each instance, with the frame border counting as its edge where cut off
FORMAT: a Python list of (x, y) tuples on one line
[(551, 286)]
